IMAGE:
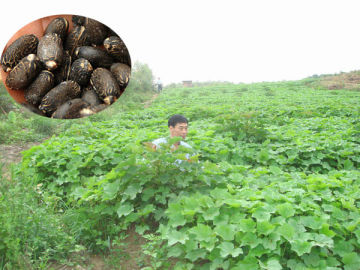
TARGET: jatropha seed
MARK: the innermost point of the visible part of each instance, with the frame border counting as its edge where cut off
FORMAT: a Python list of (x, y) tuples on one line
[(68, 73)]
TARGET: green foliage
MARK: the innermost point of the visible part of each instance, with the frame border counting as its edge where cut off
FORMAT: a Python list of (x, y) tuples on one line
[(6, 102), (31, 232), (274, 182), (141, 78)]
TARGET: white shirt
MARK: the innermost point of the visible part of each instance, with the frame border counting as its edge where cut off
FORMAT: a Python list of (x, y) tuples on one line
[(160, 141)]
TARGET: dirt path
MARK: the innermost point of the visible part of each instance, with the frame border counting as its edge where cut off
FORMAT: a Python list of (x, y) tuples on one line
[(149, 102), (12, 154)]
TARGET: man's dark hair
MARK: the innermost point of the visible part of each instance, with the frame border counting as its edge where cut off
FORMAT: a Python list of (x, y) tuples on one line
[(176, 119)]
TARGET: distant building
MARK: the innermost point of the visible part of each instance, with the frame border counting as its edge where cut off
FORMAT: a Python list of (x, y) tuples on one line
[(187, 83)]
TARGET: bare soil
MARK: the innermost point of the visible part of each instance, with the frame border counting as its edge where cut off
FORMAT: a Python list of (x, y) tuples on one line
[(10, 154), (149, 102), (348, 80)]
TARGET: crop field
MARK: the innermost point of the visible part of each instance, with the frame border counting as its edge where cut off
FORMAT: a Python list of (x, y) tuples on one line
[(274, 181)]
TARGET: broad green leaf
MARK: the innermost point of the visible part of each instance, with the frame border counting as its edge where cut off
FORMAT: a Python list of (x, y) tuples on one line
[(250, 239), (174, 237), (265, 227), (301, 247), (261, 214), (246, 225), (124, 209), (258, 251), (211, 213), (234, 202), (208, 245), (287, 231), (248, 263), (285, 209), (110, 190), (326, 231), (270, 241), (225, 231), (202, 232), (342, 247), (132, 190), (271, 264), (357, 233), (312, 222), (227, 248), (175, 251), (196, 254), (177, 220), (348, 165), (312, 259), (322, 240), (219, 263), (149, 208), (351, 261)]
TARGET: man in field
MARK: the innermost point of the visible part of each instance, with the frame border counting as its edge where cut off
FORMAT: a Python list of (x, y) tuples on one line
[(159, 85), (178, 127)]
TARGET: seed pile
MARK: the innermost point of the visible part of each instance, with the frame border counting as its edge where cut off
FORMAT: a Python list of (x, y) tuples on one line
[(68, 74)]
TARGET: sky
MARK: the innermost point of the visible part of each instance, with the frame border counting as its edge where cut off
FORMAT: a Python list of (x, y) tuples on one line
[(236, 41)]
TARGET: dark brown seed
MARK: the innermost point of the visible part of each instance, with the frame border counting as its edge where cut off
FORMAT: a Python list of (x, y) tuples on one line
[(58, 26), (17, 50), (105, 85), (22, 75), (117, 49), (81, 71), (90, 96), (78, 20), (122, 74), (61, 93), (75, 39), (97, 57), (40, 86), (62, 73), (112, 33), (50, 51), (96, 32), (74, 108)]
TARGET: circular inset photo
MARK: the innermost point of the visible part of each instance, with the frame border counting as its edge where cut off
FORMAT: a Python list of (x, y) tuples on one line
[(65, 66)]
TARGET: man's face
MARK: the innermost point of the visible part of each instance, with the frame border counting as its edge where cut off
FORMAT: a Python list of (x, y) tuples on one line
[(180, 130)]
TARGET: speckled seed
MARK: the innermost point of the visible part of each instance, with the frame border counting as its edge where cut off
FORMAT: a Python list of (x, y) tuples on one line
[(62, 73), (90, 96), (50, 51), (96, 32), (78, 20), (58, 26), (105, 85), (122, 74), (21, 47), (81, 71), (75, 39), (117, 49), (22, 75), (39, 87), (61, 93), (97, 57), (74, 108)]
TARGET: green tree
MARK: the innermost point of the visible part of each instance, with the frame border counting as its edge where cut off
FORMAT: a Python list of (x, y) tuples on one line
[(141, 79)]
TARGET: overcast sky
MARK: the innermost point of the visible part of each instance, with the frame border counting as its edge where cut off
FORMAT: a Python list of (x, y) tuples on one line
[(237, 41)]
